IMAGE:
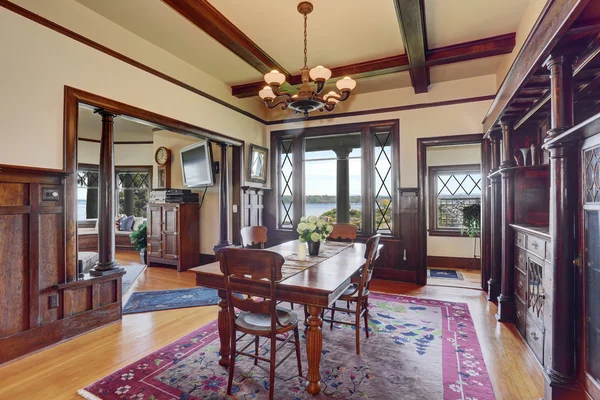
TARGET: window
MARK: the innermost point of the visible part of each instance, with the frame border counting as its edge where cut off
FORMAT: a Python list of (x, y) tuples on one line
[(348, 173), (450, 189), (87, 193), (133, 191)]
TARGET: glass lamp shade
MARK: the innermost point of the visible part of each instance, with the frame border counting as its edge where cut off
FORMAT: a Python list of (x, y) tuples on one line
[(331, 97), (346, 84), (274, 78), (266, 93), (319, 73)]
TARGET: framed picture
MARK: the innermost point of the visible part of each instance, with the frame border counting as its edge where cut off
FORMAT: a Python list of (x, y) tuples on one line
[(257, 164)]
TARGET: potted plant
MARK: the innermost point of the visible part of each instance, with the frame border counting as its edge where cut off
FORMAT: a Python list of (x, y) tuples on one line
[(312, 231), (472, 224), (138, 238)]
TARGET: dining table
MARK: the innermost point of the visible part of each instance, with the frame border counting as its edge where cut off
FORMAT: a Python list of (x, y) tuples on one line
[(316, 282)]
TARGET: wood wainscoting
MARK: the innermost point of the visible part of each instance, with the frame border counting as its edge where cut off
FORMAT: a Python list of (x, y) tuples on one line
[(453, 262), (41, 303)]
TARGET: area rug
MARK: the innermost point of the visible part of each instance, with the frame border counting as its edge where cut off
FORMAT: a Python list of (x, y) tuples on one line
[(158, 300), (418, 349), (445, 274), (132, 272)]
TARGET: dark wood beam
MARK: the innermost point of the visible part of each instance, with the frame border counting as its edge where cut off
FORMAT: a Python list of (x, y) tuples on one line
[(206, 17), (474, 50), (411, 18)]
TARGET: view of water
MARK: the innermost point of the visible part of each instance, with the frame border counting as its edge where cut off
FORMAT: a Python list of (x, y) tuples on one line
[(318, 209)]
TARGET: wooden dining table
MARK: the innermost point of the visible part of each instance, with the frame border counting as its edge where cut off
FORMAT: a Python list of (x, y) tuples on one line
[(317, 287)]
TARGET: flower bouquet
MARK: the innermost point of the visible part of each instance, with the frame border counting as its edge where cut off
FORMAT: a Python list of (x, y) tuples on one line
[(312, 231)]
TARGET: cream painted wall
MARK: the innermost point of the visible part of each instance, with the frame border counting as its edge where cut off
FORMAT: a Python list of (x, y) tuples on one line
[(444, 246), (41, 62)]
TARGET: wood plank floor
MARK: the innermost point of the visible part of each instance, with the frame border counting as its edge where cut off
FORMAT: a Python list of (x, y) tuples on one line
[(58, 372)]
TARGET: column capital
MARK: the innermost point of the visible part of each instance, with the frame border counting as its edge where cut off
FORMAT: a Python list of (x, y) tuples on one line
[(224, 145), (342, 153), (559, 59), (106, 114)]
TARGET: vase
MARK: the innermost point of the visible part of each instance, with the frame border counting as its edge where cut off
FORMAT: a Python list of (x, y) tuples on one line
[(524, 150), (517, 156), (533, 151), (313, 247)]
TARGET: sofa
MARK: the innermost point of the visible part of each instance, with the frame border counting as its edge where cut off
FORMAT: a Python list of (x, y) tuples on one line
[(87, 237)]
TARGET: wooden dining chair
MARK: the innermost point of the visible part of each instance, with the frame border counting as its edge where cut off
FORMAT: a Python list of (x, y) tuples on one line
[(357, 294), (254, 236), (343, 233), (258, 316)]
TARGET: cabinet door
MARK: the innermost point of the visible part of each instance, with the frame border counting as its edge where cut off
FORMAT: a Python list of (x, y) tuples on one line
[(171, 232), (155, 229)]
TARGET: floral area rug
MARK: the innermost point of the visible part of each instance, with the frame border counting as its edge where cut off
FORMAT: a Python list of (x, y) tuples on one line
[(157, 300), (418, 349)]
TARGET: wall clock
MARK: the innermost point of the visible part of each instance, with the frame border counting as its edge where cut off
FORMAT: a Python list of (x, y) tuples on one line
[(163, 159)]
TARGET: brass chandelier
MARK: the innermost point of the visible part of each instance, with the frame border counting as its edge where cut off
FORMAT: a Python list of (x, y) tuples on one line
[(307, 99)]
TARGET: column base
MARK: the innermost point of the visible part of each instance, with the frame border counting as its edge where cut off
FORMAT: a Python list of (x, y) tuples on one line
[(506, 309), (101, 272), (221, 245), (493, 290), (558, 386)]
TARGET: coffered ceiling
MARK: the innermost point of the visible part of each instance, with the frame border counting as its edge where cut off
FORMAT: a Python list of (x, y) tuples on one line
[(237, 41)]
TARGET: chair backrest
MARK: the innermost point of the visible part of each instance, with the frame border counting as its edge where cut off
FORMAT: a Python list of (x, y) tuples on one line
[(370, 256), (247, 266), (343, 233), (252, 235)]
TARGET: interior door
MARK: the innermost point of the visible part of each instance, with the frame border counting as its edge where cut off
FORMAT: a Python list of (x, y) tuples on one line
[(590, 264), (154, 238), (171, 232)]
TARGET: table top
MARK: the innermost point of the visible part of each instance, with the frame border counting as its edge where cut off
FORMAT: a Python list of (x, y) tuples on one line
[(325, 278)]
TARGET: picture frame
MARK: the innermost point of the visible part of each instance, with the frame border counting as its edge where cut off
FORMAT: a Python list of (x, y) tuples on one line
[(257, 164)]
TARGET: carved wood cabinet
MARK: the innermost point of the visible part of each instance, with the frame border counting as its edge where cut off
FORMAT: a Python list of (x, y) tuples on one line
[(533, 287), (174, 235)]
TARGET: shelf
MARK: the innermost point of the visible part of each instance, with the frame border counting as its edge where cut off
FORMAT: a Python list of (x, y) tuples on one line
[(536, 230), (519, 168), (585, 129)]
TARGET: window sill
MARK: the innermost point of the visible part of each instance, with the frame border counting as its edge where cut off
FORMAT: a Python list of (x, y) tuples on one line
[(448, 233)]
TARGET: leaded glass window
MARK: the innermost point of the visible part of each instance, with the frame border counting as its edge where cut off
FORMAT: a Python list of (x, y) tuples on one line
[(285, 183), (87, 193), (383, 182), (133, 191)]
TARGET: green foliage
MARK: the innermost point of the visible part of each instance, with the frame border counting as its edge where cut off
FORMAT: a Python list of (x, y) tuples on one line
[(379, 218), (355, 216), (471, 220), (313, 229), (138, 238)]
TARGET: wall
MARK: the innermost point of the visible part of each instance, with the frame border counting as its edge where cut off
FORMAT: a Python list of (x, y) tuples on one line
[(446, 246)]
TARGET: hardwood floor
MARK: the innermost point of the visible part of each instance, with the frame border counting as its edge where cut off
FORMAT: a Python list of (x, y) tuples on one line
[(58, 372)]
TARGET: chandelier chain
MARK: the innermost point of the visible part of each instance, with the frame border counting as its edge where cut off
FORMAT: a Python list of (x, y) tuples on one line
[(305, 41)]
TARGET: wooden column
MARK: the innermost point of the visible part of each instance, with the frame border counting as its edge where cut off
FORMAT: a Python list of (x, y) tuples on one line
[(495, 221), (564, 201), (506, 303), (343, 185), (223, 200), (106, 194)]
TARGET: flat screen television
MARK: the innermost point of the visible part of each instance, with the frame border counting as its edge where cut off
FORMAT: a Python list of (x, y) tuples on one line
[(196, 165)]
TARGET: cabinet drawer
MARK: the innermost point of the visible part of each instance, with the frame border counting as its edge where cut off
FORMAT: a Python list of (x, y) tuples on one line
[(521, 259), (520, 239), (535, 339), (537, 246), (521, 312), (520, 285)]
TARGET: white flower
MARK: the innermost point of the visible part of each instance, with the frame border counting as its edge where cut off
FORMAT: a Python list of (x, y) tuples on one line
[(320, 223), (312, 219), (303, 219), (311, 227), (329, 228), (315, 237)]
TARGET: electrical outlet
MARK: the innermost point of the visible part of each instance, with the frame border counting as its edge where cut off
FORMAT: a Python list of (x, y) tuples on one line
[(53, 301)]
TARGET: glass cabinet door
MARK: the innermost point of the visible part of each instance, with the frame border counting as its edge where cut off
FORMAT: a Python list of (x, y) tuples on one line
[(592, 293)]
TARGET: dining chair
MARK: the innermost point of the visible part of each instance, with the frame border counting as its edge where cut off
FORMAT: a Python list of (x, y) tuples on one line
[(343, 233), (258, 316), (254, 235), (357, 294)]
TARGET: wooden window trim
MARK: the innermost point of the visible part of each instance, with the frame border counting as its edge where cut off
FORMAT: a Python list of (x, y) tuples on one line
[(432, 173)]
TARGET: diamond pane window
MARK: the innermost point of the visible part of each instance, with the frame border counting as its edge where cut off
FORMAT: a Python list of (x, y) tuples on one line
[(133, 191), (452, 188), (87, 194), (592, 175), (285, 183), (383, 182)]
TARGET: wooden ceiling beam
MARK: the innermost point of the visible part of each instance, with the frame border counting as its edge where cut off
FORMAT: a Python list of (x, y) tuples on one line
[(411, 19), (474, 50), (206, 17)]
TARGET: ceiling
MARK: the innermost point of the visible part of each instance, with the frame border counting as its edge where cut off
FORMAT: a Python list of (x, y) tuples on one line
[(340, 32)]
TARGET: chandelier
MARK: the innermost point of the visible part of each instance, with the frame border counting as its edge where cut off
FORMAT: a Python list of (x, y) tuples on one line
[(307, 99)]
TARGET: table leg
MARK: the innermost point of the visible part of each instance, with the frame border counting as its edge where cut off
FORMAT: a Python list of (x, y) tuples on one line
[(224, 329), (314, 344)]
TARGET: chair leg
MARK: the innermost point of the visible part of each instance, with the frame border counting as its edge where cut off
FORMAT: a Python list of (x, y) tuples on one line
[(332, 317), (357, 330), (367, 317), (272, 367), (298, 357), (232, 361), (291, 305), (256, 339)]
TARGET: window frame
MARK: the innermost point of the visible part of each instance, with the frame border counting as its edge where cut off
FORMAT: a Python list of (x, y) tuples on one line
[(432, 175), (368, 130)]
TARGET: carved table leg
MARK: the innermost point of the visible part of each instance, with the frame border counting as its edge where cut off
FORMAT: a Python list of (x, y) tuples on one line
[(224, 329), (314, 344)]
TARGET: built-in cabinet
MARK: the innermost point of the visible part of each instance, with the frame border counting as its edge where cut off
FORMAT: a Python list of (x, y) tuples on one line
[(174, 235)]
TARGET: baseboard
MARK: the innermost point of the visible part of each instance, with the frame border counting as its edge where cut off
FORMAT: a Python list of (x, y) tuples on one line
[(207, 258), (453, 262)]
